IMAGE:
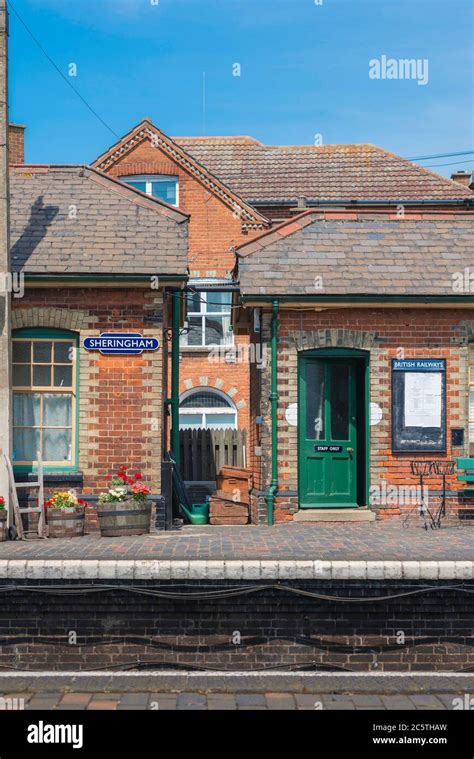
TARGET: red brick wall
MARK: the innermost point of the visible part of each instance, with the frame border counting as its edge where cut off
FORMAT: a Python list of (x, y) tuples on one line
[(120, 398), (400, 333), (213, 228), (16, 144)]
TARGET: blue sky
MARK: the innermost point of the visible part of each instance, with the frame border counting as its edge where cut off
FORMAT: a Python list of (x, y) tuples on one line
[(304, 72)]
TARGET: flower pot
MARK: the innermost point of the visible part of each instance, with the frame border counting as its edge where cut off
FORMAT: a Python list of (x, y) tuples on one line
[(3, 525), (117, 518), (65, 524)]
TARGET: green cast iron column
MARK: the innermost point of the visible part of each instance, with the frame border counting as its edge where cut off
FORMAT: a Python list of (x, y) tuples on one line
[(175, 327), (274, 413)]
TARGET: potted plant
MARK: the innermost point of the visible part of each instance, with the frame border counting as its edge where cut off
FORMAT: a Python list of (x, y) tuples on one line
[(124, 509), (65, 515), (3, 519)]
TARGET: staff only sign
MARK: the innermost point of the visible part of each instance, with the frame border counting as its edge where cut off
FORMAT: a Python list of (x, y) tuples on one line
[(121, 343)]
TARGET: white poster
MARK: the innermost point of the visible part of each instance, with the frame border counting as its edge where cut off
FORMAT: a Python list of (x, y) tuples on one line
[(423, 399)]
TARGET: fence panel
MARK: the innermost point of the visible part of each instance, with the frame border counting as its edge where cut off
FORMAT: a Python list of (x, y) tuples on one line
[(204, 452)]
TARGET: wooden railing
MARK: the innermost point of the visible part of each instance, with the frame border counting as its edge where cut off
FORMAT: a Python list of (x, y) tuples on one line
[(204, 452)]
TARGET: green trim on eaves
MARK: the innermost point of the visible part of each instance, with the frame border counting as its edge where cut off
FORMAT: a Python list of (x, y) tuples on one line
[(104, 277)]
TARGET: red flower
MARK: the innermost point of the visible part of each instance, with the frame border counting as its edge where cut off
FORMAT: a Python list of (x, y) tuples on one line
[(138, 475), (82, 503), (123, 468), (130, 480), (107, 478)]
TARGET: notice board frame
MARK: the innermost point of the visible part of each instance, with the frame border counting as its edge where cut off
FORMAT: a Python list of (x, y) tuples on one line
[(419, 439)]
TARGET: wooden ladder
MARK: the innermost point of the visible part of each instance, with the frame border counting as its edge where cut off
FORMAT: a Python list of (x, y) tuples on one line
[(15, 512)]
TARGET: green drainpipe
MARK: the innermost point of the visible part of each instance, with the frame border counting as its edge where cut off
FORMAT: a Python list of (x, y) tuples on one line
[(175, 328), (274, 409)]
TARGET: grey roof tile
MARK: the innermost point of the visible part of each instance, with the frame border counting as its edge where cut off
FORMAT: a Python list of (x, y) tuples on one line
[(73, 219)]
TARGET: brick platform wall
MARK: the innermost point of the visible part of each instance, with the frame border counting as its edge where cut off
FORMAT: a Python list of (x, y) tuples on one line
[(385, 334), (425, 632)]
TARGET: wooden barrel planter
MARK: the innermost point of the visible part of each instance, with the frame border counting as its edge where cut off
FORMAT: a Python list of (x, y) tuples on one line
[(118, 518), (65, 524), (3, 525)]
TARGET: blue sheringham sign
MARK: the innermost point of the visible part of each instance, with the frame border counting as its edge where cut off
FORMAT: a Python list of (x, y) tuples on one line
[(121, 343)]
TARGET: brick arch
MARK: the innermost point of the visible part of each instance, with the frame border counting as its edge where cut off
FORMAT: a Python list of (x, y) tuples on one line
[(336, 338), (224, 386), (54, 318)]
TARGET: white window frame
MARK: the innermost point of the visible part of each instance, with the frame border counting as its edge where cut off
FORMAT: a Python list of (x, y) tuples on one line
[(149, 178), (208, 411), (205, 296)]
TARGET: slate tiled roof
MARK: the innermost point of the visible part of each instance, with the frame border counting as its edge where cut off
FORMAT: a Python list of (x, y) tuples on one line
[(316, 254), (73, 219), (259, 172)]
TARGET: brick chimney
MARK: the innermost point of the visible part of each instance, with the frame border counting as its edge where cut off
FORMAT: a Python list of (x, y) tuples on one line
[(5, 355), (16, 143), (463, 177)]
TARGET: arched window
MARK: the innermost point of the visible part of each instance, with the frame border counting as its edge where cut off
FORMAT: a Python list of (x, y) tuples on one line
[(206, 409), (45, 384)]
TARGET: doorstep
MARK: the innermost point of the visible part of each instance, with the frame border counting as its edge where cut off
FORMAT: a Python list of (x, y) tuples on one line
[(334, 515)]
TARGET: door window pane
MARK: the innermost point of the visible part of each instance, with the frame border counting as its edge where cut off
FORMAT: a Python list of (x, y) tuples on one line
[(339, 393), (315, 400)]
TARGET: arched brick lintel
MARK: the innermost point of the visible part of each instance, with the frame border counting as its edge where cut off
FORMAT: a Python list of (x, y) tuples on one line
[(336, 338), (53, 318)]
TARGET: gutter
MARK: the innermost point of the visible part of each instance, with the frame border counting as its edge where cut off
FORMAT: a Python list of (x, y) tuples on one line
[(353, 298), (315, 202), (118, 280), (274, 414)]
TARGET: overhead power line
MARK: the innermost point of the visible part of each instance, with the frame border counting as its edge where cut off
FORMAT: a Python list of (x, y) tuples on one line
[(440, 155), (58, 70)]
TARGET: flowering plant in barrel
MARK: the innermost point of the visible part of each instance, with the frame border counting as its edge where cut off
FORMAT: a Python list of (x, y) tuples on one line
[(124, 508), (64, 500), (65, 515), (123, 486)]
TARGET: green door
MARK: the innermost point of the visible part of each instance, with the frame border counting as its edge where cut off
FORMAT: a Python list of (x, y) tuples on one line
[(327, 430)]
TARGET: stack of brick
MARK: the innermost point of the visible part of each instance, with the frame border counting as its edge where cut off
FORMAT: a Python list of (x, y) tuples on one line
[(231, 503)]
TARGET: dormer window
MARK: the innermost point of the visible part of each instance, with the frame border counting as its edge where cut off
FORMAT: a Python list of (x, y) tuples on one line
[(157, 185)]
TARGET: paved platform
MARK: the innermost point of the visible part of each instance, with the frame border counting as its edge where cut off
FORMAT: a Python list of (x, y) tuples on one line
[(379, 550), (386, 540)]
